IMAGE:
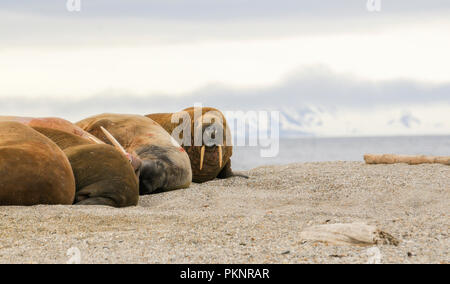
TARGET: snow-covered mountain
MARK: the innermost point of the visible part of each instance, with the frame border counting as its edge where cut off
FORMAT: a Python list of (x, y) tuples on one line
[(320, 121)]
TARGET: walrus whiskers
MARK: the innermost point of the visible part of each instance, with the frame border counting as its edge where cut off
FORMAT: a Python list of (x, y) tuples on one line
[(220, 156), (202, 156)]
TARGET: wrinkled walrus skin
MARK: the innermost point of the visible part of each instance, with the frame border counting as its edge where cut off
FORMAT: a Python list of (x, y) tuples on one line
[(33, 169), (165, 164), (211, 167), (103, 176)]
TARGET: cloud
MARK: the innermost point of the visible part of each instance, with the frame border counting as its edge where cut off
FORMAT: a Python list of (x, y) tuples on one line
[(320, 86), (138, 45), (316, 86), (110, 22), (311, 102), (218, 10)]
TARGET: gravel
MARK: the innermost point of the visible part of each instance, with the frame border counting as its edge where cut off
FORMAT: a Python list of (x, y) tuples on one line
[(247, 221)]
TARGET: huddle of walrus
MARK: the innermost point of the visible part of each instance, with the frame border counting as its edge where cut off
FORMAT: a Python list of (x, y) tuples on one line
[(110, 159)]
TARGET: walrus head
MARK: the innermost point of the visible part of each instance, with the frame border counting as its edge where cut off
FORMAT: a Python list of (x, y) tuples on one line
[(154, 163), (208, 156)]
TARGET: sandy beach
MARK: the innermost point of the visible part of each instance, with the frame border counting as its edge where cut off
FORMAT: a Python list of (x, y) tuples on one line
[(258, 220)]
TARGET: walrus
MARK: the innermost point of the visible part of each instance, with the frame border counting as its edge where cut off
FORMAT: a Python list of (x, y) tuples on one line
[(103, 175), (209, 146), (33, 169), (164, 163)]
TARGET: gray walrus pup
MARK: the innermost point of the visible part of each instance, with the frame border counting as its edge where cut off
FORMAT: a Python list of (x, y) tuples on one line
[(165, 164)]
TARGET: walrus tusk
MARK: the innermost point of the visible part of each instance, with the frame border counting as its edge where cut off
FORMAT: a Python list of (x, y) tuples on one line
[(412, 160), (202, 156), (114, 142), (95, 139), (220, 156)]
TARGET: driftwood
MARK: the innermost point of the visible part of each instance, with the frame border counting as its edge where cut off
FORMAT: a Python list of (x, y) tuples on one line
[(412, 160), (358, 234)]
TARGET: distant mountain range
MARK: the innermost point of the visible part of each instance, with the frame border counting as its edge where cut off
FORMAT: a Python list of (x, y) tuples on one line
[(317, 121), (299, 122)]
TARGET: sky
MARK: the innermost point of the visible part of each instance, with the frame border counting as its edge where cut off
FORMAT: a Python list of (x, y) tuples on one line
[(359, 72)]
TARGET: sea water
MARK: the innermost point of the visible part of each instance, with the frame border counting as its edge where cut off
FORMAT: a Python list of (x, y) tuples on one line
[(297, 150)]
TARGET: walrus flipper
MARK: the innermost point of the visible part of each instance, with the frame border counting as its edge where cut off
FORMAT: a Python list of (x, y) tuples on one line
[(101, 194), (227, 172), (97, 201)]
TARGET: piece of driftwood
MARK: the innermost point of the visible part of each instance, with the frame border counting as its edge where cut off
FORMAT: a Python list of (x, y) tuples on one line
[(412, 160), (358, 234)]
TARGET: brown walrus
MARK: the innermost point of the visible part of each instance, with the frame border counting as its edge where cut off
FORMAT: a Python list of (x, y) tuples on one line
[(165, 164), (33, 169), (103, 175), (209, 146)]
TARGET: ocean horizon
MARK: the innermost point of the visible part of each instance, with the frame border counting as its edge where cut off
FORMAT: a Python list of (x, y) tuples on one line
[(322, 149)]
